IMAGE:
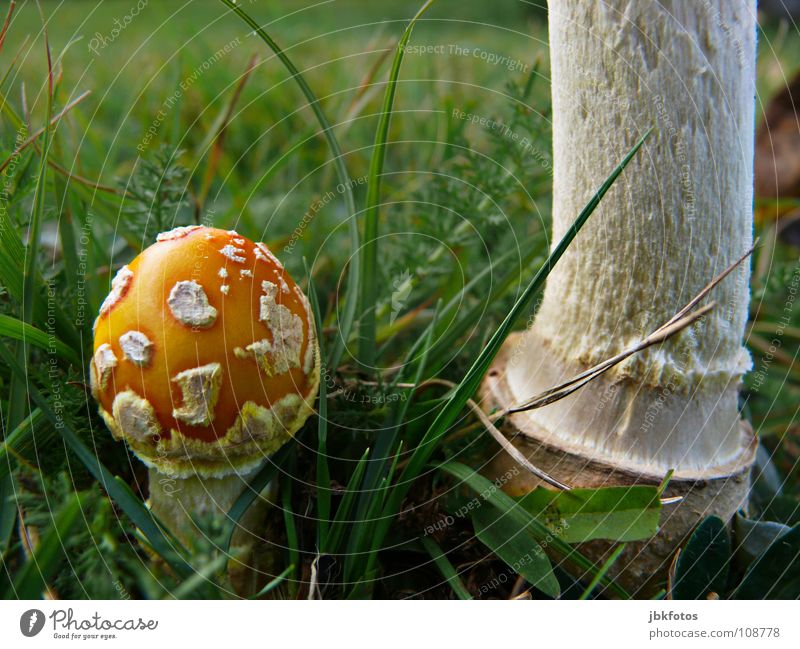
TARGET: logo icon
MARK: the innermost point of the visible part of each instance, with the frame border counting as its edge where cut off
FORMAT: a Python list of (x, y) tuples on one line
[(31, 622)]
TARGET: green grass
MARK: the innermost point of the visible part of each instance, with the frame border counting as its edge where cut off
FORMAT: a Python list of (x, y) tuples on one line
[(326, 141)]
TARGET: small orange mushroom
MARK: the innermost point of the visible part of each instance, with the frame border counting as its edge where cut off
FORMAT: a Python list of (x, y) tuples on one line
[(205, 362)]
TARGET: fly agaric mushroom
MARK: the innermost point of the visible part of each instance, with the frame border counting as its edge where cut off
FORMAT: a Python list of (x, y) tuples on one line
[(205, 362)]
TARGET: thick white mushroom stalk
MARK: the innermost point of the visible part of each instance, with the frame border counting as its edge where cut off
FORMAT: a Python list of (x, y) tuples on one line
[(679, 216)]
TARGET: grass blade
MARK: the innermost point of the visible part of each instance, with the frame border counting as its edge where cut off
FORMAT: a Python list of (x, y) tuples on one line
[(323, 471), (292, 543), (18, 330), (369, 277), (46, 560), (446, 342), (19, 441), (445, 567), (387, 441), (516, 513), (255, 486), (342, 519), (471, 381), (201, 579), (609, 563), (272, 585), (517, 547), (8, 512), (16, 404), (117, 490), (376, 485), (354, 273)]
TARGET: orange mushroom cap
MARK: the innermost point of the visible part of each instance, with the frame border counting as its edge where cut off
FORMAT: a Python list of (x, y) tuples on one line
[(205, 355)]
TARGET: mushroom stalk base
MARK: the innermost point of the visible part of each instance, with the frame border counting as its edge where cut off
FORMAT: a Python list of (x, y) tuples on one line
[(643, 566), (179, 503)]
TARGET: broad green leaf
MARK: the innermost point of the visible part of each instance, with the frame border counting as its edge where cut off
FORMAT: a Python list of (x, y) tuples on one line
[(488, 491), (753, 537), (610, 513), (517, 547), (776, 573), (784, 509), (702, 566)]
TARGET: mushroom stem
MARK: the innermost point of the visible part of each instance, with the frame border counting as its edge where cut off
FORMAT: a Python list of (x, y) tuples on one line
[(179, 502), (680, 214)]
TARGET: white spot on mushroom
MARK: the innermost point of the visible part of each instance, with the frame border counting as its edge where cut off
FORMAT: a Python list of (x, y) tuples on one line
[(200, 387), (104, 362), (135, 416), (271, 427), (245, 273), (286, 328), (260, 350), (233, 233), (119, 287), (177, 233), (189, 304), (223, 273), (233, 253), (137, 347), (225, 289), (263, 253), (267, 300), (284, 285), (238, 241)]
